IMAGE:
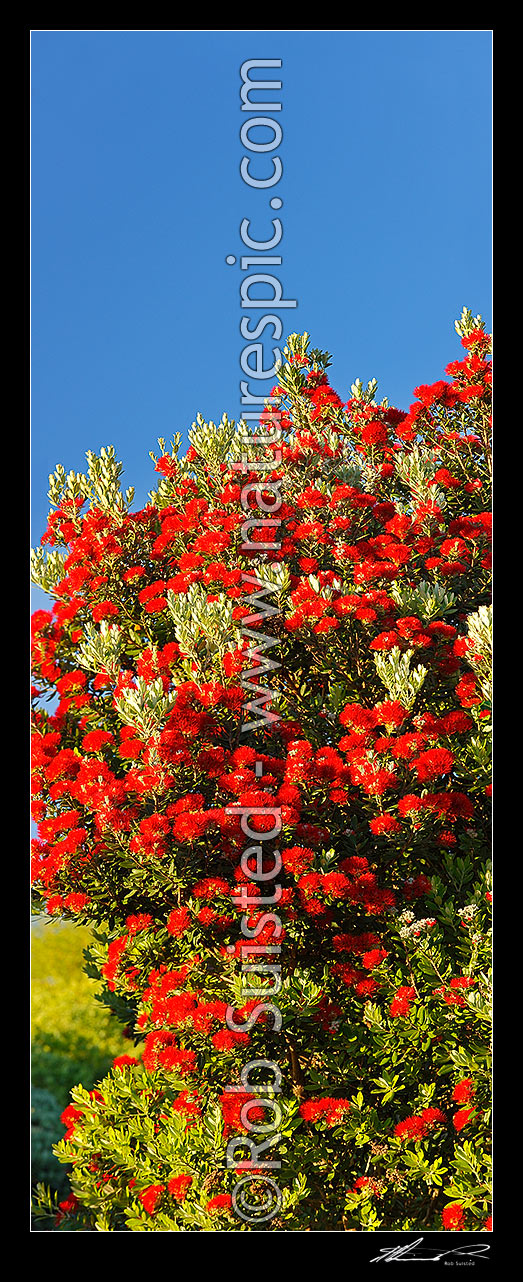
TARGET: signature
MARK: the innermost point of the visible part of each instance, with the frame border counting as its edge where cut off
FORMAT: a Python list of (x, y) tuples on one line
[(413, 1251)]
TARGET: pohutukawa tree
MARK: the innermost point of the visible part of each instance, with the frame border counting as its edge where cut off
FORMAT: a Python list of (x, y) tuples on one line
[(263, 780)]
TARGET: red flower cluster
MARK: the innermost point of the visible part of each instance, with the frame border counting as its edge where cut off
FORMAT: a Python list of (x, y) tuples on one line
[(420, 1125), (330, 1111)]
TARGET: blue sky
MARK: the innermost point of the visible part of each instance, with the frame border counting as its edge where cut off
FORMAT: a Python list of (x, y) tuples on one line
[(137, 200)]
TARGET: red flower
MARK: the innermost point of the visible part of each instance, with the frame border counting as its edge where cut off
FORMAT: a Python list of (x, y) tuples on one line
[(366, 1184), (463, 1117), (438, 761), (151, 1197), (139, 922), (412, 1128), (222, 1202), (161, 1050), (453, 1216), (359, 718), (104, 610), (401, 1002), (70, 1118), (417, 1127), (384, 825), (76, 901), (67, 1207), (385, 641), (178, 921), (463, 1091), (179, 1186), (125, 1061), (329, 1110), (96, 739), (415, 887), (226, 1040)]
